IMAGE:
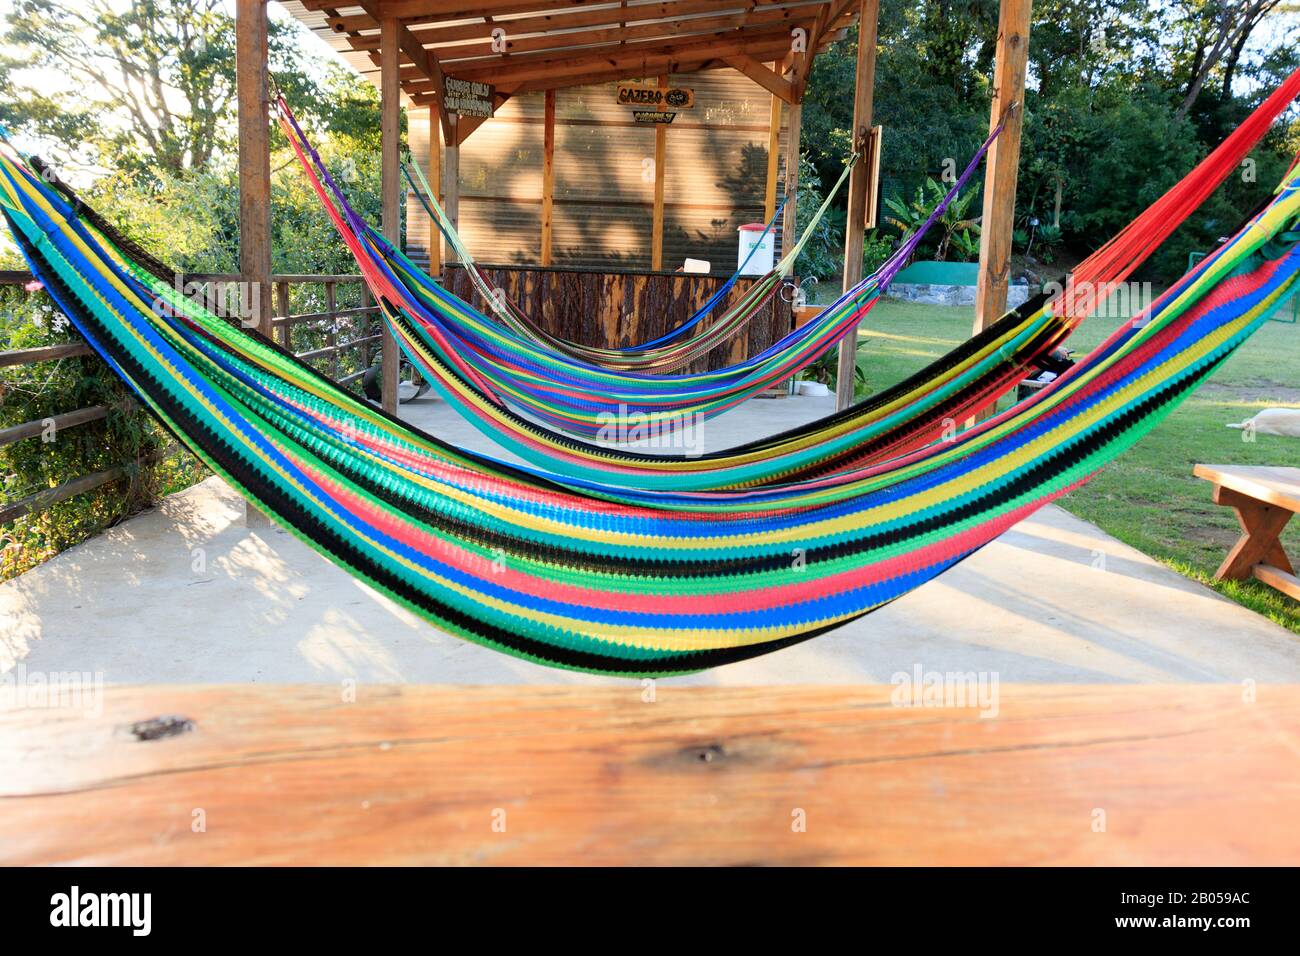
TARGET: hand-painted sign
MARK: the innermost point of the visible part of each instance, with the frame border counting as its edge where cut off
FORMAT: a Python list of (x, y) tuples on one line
[(675, 97), (653, 116), (466, 97)]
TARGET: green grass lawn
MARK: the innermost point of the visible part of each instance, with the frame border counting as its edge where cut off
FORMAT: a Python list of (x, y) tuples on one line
[(1147, 497)]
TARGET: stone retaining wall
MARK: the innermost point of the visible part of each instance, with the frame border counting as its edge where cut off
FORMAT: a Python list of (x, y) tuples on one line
[(930, 294)]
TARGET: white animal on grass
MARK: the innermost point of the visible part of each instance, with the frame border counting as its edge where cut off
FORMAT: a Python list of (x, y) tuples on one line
[(1273, 421)]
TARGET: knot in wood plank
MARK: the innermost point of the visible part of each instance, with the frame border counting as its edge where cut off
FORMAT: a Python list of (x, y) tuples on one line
[(159, 728)]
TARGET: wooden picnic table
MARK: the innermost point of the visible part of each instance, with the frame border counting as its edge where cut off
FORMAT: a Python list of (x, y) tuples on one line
[(1264, 498), (255, 774)]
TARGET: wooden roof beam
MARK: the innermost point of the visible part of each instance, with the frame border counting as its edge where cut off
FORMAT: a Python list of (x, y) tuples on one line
[(423, 60), (410, 48), (724, 42), (464, 9), (421, 92), (679, 28), (432, 10), (778, 86), (539, 86), (826, 22), (529, 21), (456, 62), (711, 62), (709, 56)]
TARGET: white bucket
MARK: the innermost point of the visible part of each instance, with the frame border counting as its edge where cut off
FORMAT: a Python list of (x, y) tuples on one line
[(763, 243)]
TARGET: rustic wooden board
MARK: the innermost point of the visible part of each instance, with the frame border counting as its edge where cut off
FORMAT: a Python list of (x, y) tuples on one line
[(1184, 775), (616, 310)]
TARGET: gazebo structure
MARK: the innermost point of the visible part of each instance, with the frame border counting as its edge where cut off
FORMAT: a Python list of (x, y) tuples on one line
[(460, 63)]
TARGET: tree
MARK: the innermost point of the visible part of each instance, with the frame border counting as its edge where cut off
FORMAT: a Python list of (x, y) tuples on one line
[(1104, 132), (149, 86), (1221, 29)]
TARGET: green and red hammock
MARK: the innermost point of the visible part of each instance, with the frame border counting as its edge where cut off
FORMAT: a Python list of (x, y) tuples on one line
[(673, 350)]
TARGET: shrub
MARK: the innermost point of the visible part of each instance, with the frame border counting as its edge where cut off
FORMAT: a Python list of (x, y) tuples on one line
[(127, 435)]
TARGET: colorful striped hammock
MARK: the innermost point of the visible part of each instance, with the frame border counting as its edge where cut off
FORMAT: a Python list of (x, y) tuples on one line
[(481, 367), (563, 391), (891, 420), (613, 580), (672, 350), (900, 419)]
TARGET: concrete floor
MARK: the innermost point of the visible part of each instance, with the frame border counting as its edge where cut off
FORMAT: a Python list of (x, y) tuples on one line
[(185, 593)]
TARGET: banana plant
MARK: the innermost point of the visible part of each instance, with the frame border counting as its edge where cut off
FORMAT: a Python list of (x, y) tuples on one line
[(954, 227)]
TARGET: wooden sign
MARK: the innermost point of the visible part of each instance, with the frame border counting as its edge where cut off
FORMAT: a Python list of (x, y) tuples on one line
[(642, 96), (466, 97), (653, 116)]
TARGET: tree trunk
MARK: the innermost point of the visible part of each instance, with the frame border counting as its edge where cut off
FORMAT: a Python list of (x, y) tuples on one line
[(1235, 29)]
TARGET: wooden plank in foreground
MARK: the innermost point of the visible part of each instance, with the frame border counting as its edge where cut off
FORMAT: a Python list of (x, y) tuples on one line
[(1171, 774)]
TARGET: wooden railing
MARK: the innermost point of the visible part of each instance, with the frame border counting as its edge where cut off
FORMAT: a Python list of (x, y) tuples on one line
[(317, 298), (319, 294)]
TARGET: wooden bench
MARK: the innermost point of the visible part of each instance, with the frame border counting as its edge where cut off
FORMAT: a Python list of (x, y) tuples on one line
[(257, 774), (1264, 498)]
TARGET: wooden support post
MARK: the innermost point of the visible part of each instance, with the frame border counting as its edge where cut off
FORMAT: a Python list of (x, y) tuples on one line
[(773, 156), (451, 180), (1001, 163), (789, 217), (282, 310), (435, 183), (548, 178), (790, 213), (370, 324), (332, 337), (859, 183), (390, 181), (254, 176), (657, 220)]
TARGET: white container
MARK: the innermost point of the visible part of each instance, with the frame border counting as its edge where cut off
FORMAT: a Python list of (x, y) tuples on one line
[(813, 389), (751, 236), (697, 266)]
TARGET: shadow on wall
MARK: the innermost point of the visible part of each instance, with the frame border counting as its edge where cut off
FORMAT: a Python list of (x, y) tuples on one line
[(740, 178), (601, 194)]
